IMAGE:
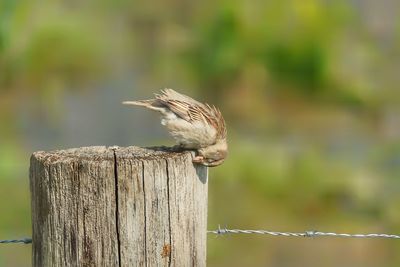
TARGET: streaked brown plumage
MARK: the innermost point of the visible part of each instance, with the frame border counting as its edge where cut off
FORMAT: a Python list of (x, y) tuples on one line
[(193, 125)]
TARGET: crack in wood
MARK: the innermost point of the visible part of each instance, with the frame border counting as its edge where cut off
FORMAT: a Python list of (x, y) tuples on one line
[(145, 216), (169, 215), (117, 207)]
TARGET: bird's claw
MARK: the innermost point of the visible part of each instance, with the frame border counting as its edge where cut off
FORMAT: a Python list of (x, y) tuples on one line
[(198, 159)]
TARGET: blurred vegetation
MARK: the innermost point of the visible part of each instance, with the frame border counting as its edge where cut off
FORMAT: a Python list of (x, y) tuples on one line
[(308, 88)]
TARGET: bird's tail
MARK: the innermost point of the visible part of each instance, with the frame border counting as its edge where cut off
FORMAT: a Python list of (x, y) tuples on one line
[(144, 103), (150, 104)]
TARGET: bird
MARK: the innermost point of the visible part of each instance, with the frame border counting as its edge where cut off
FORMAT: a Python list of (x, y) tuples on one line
[(193, 125)]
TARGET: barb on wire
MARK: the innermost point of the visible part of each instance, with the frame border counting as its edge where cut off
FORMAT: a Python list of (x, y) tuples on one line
[(223, 231), (23, 240)]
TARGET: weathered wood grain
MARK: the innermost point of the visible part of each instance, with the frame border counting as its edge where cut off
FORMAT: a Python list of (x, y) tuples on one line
[(99, 206)]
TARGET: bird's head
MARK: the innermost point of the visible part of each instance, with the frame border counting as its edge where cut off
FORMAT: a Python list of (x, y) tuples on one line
[(214, 155)]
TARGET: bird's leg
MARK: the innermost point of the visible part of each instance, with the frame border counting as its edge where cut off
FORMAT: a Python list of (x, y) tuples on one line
[(196, 159)]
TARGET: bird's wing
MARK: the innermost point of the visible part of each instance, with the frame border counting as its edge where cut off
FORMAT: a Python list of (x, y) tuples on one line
[(193, 111), (174, 95), (217, 121)]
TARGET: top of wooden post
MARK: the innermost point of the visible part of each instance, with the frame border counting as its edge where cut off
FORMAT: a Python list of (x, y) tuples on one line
[(106, 153)]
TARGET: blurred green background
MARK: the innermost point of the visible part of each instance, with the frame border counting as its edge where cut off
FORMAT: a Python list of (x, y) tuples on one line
[(309, 89)]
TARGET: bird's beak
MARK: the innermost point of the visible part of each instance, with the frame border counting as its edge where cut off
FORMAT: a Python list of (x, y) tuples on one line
[(203, 161), (213, 163)]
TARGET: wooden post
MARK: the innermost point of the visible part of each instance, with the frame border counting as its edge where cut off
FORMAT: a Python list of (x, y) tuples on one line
[(99, 206)]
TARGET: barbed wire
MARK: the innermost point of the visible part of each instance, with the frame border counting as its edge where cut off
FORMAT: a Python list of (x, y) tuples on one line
[(224, 231), (26, 240)]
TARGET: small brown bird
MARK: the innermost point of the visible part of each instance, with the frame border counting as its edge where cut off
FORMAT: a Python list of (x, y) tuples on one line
[(192, 124)]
